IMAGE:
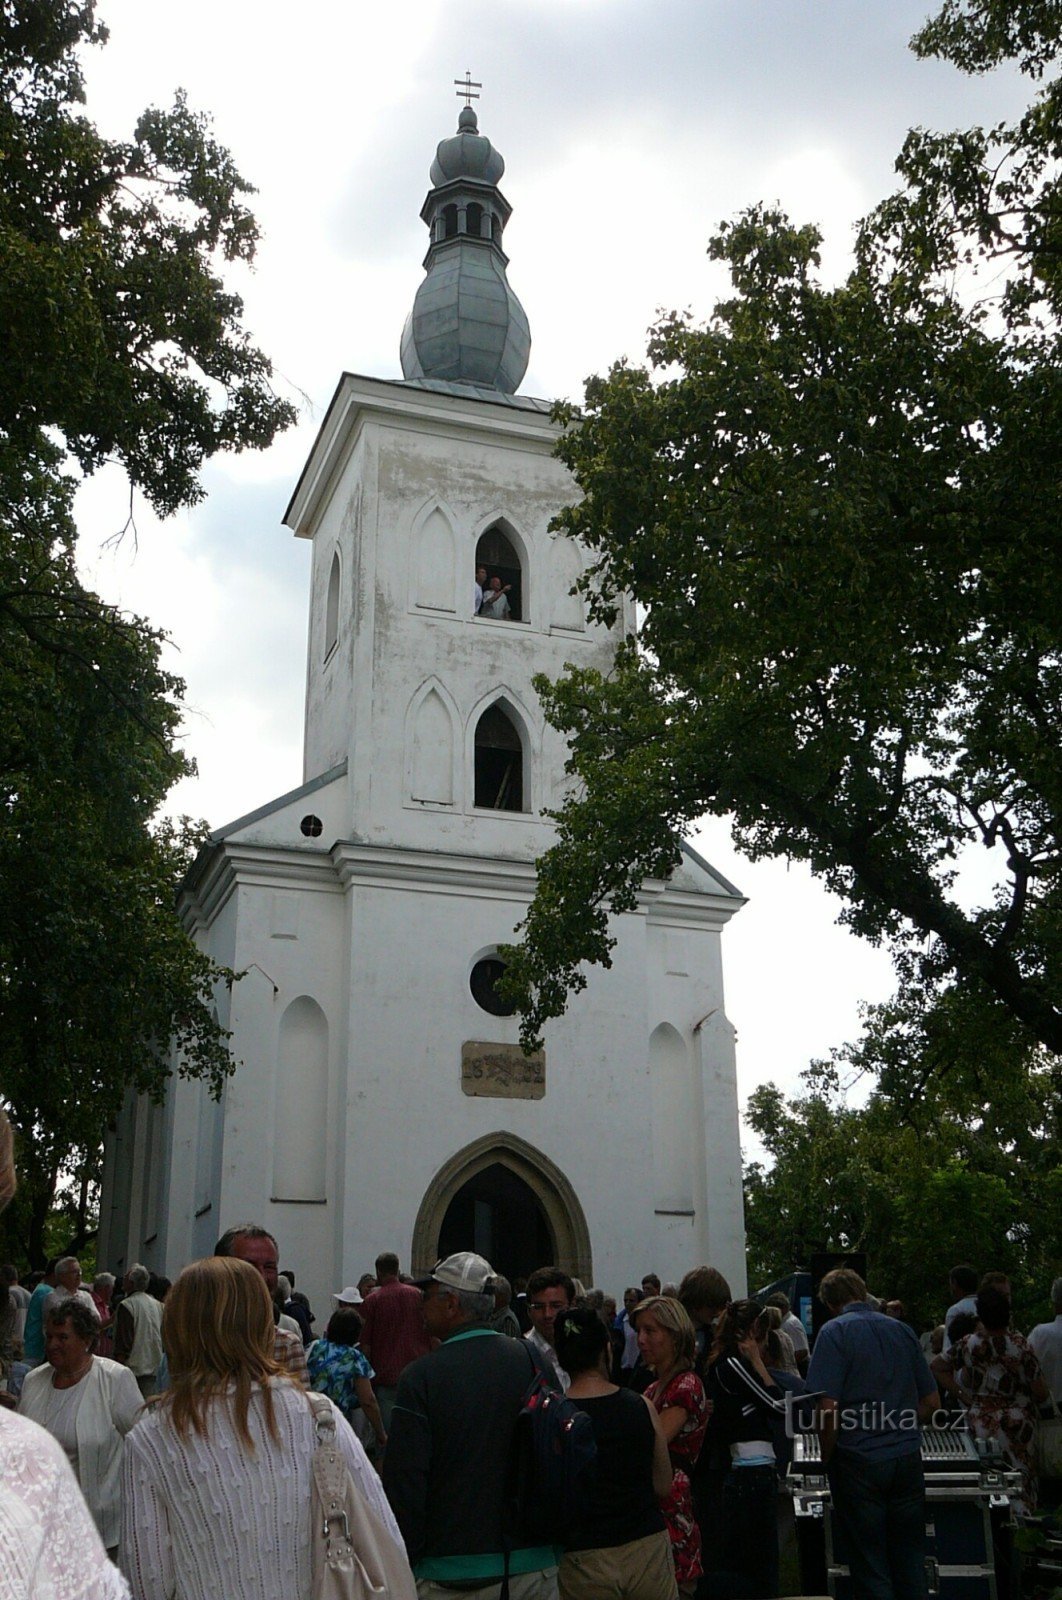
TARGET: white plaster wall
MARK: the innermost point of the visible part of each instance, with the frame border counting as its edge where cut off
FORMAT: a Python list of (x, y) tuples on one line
[(331, 684), (310, 963), (397, 474), (684, 977), (411, 951)]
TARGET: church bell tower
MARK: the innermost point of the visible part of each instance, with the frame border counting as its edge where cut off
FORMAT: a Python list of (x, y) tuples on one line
[(413, 487)]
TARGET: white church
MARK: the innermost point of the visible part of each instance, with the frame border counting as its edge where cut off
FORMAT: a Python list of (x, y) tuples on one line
[(380, 1099)]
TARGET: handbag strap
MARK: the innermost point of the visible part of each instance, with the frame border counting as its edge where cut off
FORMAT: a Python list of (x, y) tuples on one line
[(330, 1477)]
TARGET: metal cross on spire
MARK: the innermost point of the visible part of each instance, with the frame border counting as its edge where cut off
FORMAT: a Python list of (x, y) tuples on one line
[(467, 89)]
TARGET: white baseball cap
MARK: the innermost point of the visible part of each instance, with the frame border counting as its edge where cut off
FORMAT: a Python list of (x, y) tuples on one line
[(465, 1270)]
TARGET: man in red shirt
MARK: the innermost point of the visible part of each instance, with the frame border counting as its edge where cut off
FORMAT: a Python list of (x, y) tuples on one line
[(393, 1332)]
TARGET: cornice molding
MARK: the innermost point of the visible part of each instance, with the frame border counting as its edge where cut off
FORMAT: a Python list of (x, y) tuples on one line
[(350, 864), (358, 399)]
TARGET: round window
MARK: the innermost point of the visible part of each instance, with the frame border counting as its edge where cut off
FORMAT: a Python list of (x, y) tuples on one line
[(484, 985), (312, 826)]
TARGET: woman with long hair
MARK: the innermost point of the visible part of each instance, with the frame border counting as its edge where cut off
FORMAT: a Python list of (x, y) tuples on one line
[(746, 1406), (217, 1480), (619, 1545), (667, 1344)]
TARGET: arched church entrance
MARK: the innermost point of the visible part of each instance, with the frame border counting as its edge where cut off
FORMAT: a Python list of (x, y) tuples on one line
[(498, 1215), (505, 1200)]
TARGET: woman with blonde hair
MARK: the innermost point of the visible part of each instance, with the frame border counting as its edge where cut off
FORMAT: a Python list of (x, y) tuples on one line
[(218, 1473), (667, 1343)]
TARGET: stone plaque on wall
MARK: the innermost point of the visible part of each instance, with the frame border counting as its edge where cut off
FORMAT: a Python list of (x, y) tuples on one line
[(502, 1070)]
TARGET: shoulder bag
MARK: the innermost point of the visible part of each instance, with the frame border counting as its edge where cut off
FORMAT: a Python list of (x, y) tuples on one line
[(354, 1557)]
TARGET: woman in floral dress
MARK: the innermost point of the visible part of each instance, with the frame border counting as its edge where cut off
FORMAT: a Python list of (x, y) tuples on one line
[(997, 1376), (338, 1369), (667, 1344)]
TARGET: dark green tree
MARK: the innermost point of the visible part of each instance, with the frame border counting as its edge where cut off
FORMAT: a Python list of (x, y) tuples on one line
[(953, 1157), (837, 507), (122, 343)]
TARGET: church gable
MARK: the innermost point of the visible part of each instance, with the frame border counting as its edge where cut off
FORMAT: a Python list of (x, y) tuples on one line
[(314, 815)]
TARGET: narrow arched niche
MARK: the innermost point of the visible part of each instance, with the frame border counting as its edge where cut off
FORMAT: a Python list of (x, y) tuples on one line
[(431, 758), (674, 1118), (435, 562), (568, 610), (500, 777), (332, 606), (300, 1120), (497, 551)]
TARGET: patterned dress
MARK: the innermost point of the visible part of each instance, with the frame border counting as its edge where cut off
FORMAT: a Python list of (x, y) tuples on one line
[(996, 1372), (685, 1389), (335, 1370)]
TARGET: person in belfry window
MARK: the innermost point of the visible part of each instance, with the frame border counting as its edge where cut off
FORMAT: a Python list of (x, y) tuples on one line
[(495, 600)]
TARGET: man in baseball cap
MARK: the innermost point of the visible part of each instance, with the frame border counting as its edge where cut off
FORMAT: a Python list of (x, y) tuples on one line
[(450, 1442), (465, 1270)]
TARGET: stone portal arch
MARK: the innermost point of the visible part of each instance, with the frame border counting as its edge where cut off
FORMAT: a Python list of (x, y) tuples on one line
[(558, 1201)]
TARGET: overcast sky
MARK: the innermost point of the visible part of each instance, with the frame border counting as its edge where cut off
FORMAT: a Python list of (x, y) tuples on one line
[(629, 130)]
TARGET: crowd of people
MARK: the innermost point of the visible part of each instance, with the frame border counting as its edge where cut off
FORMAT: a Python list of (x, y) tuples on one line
[(181, 1465)]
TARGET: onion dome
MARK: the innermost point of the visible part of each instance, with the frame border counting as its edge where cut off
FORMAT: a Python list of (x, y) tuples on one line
[(467, 155), (466, 325)]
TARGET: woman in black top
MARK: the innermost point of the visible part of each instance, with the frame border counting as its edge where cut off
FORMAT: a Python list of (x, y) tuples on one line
[(619, 1545), (747, 1405)]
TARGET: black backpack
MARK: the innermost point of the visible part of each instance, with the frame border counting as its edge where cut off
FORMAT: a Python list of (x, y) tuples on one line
[(553, 1464)]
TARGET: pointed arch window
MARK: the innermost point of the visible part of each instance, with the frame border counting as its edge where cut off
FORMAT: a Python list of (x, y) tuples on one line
[(332, 607), (500, 780), (498, 554)]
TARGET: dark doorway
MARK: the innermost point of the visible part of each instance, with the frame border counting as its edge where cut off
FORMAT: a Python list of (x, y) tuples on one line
[(498, 1215), (495, 551), (499, 759)]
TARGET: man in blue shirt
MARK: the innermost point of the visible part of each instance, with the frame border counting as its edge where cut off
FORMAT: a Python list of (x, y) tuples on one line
[(876, 1389)]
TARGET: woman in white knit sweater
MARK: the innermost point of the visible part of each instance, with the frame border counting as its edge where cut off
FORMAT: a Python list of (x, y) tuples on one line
[(217, 1475)]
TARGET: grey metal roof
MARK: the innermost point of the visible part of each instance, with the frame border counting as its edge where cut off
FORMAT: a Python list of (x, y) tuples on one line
[(464, 390), (466, 324), (467, 154)]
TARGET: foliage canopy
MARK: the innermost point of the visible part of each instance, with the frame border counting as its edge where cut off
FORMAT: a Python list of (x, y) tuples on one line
[(837, 507), (123, 344), (938, 1167)]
